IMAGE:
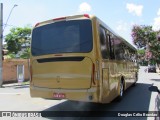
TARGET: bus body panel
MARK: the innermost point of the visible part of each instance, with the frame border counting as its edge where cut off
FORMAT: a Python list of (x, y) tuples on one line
[(63, 74), (112, 73), (86, 95), (110, 81)]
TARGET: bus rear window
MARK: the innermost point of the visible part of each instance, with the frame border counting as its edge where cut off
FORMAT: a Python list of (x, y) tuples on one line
[(73, 36)]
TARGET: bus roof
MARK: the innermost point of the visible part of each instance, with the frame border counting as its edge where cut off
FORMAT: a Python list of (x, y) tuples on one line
[(84, 16)]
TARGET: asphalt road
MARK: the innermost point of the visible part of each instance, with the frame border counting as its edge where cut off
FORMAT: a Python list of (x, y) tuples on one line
[(138, 98)]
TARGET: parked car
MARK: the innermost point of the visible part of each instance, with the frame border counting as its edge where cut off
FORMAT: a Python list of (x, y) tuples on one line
[(157, 101), (152, 68)]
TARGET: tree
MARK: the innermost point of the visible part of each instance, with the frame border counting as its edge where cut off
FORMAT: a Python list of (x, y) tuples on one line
[(17, 38), (144, 37)]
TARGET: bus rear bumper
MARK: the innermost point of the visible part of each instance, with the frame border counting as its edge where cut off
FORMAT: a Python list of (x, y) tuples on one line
[(86, 95)]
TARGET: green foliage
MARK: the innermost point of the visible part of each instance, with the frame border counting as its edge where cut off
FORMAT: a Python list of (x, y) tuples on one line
[(10, 56), (25, 54), (145, 38), (141, 52), (142, 35), (17, 38)]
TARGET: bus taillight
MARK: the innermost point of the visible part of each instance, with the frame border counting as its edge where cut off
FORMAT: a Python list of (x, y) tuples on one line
[(93, 72)]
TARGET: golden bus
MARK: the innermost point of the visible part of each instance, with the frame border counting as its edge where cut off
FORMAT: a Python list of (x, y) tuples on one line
[(80, 58)]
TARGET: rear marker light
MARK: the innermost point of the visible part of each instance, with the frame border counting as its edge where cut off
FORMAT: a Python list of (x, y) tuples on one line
[(86, 15), (61, 18), (36, 24)]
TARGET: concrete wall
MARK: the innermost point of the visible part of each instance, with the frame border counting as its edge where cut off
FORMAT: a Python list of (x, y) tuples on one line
[(10, 69)]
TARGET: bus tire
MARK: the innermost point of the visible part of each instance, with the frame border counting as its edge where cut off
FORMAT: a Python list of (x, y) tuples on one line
[(136, 79), (121, 91)]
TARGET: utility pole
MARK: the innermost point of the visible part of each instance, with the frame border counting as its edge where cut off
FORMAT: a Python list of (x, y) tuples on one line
[(1, 46)]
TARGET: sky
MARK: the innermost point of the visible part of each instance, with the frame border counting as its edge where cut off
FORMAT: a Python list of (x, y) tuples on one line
[(119, 15)]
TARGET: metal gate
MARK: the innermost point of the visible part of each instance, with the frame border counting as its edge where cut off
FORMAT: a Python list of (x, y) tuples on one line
[(20, 73)]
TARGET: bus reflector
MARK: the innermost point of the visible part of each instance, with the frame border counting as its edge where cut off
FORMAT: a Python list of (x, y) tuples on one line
[(93, 71), (30, 73), (61, 18), (98, 70), (86, 15), (58, 55)]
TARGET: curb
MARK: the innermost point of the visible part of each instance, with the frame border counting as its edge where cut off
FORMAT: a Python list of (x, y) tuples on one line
[(15, 85)]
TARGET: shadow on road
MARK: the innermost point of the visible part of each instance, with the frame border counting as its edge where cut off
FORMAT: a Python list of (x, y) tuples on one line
[(21, 86), (135, 99), (157, 80)]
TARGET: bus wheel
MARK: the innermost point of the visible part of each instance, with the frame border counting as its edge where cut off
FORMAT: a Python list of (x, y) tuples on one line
[(136, 79), (121, 91)]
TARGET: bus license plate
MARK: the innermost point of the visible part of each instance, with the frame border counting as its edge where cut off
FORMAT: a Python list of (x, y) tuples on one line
[(59, 95)]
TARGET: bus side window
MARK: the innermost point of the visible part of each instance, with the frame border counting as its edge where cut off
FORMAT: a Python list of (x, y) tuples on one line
[(111, 47), (103, 43), (130, 55), (126, 54), (133, 57), (118, 49)]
